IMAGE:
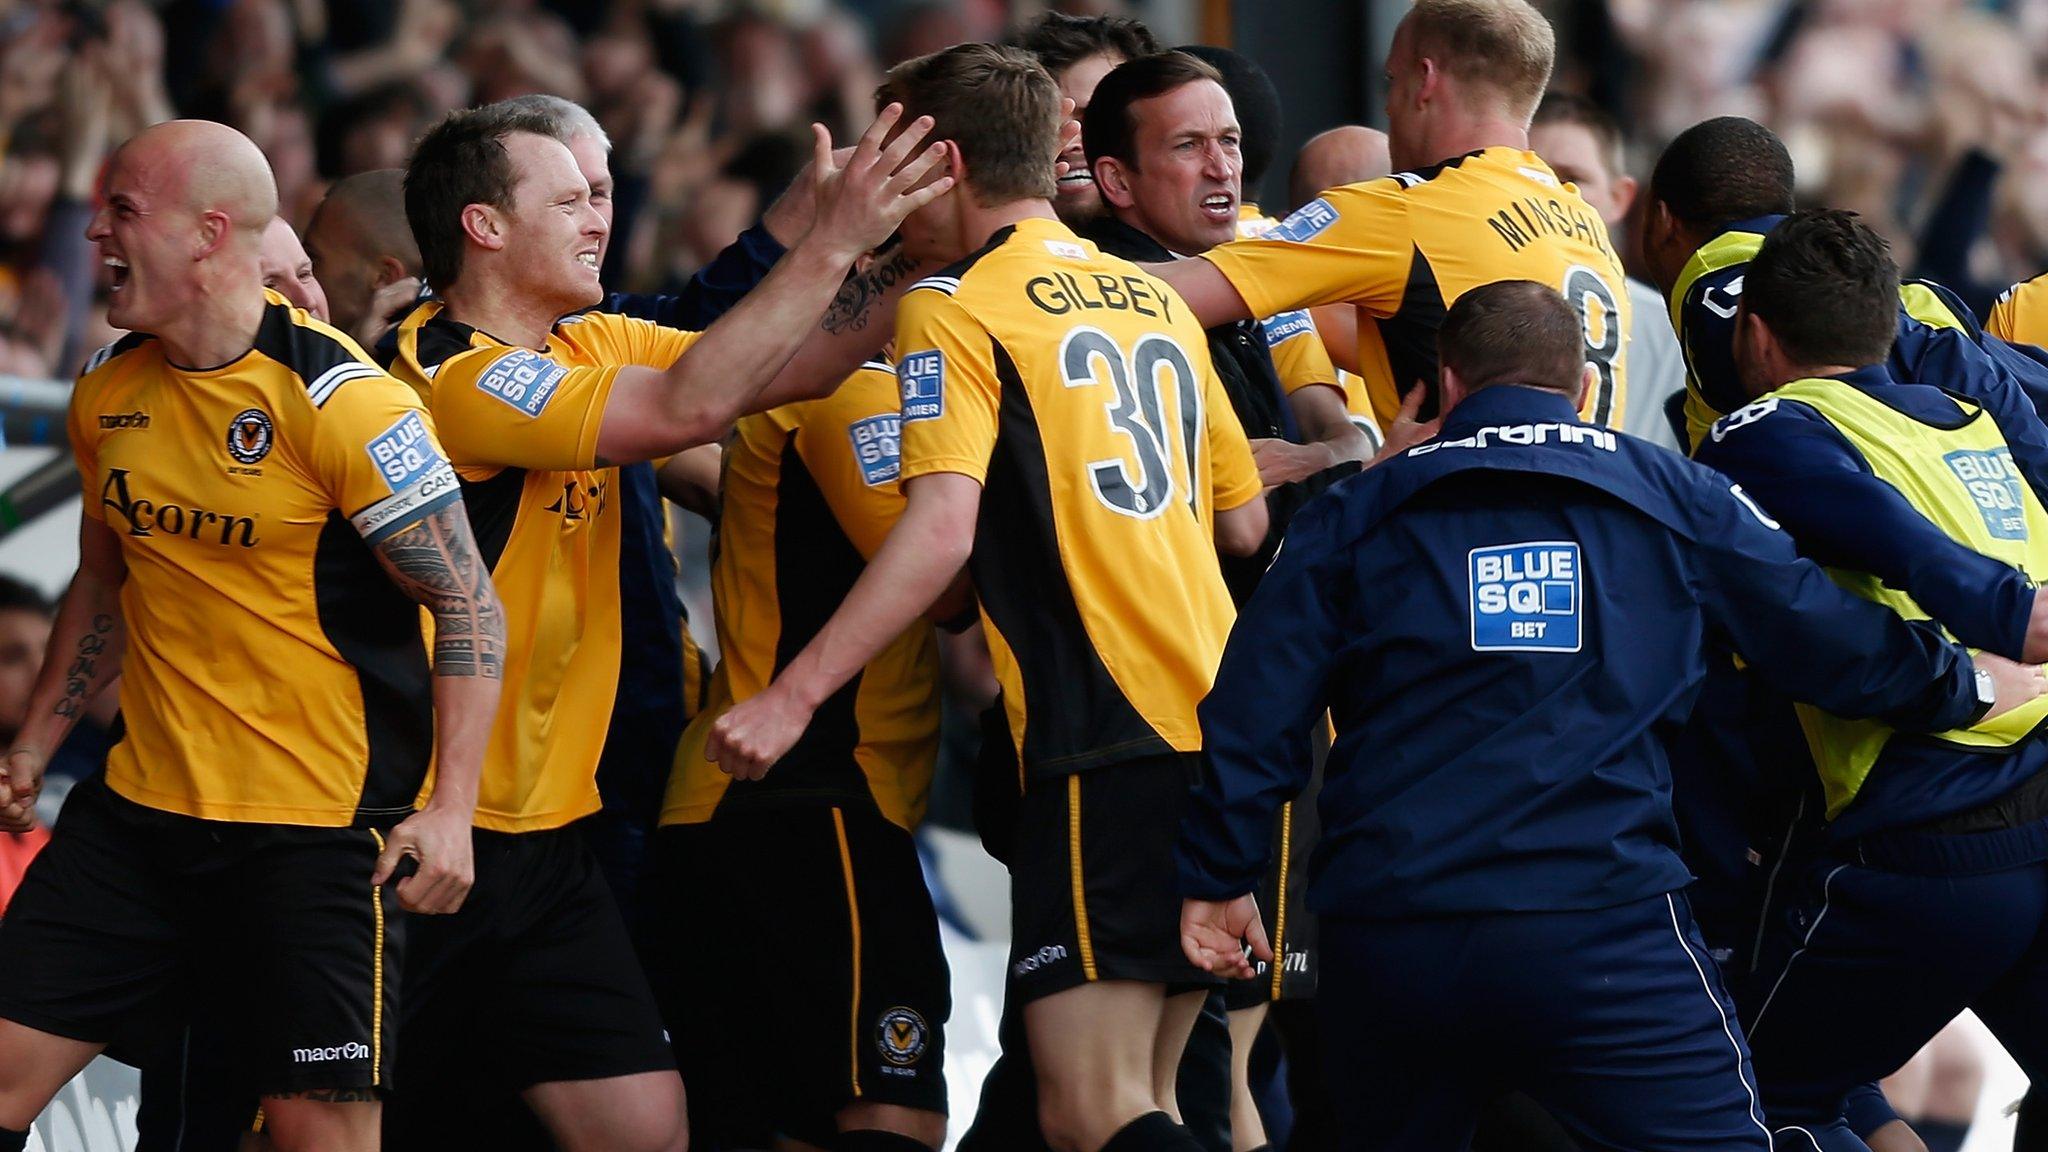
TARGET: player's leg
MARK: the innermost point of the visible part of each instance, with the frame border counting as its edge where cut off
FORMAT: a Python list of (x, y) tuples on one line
[(1639, 1048), (578, 1027), (320, 951), (1093, 1047), (1176, 1023), (1095, 942), (1924, 947), (1247, 1131), (90, 940)]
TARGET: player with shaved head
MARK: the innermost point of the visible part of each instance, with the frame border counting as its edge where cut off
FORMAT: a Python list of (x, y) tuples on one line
[(265, 513), (364, 254)]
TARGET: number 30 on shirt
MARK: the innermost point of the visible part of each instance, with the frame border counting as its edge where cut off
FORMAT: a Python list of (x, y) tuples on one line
[(1137, 384)]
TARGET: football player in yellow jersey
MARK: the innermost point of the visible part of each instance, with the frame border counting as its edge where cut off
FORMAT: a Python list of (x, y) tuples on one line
[(263, 508), (535, 985), (1078, 51), (2021, 314), (1472, 206), (1065, 439), (833, 1034)]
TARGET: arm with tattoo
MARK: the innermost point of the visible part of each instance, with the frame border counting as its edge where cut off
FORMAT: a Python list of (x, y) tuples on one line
[(436, 562), (84, 656)]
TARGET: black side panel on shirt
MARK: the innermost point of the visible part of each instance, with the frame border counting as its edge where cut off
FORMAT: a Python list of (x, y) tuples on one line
[(376, 628), (493, 508), (1076, 717), (815, 567), (1410, 333)]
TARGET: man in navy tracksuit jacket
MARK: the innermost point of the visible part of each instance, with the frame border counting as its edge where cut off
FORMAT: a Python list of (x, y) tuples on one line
[(1503, 622)]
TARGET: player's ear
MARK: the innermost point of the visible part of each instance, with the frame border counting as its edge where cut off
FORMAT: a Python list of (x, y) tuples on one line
[(390, 270), (1114, 182), (214, 229), (1450, 389), (482, 224), (1587, 376), (1625, 188)]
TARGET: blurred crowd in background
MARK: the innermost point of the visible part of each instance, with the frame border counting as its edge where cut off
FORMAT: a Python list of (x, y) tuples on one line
[(1924, 115)]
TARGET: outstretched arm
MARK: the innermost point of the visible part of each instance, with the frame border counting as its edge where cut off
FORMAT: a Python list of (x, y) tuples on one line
[(436, 562)]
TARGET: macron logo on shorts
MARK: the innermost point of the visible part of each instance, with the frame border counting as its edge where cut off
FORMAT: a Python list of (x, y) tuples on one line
[(1526, 597), (922, 378), (353, 1050)]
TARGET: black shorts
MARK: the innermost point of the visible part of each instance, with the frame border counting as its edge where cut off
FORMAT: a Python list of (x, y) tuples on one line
[(533, 981), (128, 902), (797, 957), (1093, 891), (1282, 896)]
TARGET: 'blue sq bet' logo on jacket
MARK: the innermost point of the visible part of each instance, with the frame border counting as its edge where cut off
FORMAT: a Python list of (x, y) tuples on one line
[(1993, 483), (1526, 597)]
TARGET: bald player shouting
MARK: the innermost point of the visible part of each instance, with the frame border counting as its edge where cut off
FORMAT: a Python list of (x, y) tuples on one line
[(264, 514), (364, 255)]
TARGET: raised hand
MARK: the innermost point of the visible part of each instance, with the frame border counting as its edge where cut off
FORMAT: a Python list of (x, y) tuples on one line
[(1215, 933), (861, 203), (21, 781)]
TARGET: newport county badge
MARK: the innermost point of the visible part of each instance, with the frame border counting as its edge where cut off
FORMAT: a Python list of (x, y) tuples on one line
[(902, 1035), (249, 435)]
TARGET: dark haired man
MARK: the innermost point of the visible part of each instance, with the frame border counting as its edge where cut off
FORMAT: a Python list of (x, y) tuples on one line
[(1473, 205), (1716, 192), (1929, 884), (1078, 51), (1499, 898), (1065, 439), (537, 983)]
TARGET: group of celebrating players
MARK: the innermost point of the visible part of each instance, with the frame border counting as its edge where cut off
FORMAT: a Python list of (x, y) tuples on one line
[(369, 590)]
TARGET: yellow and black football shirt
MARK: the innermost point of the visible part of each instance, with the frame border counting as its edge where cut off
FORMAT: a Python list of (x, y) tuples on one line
[(1299, 357), (521, 427), (1078, 391), (2021, 314), (274, 673), (1403, 248), (809, 494)]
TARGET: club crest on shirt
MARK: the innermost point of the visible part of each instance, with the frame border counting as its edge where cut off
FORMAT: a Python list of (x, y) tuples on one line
[(249, 435), (1526, 597), (902, 1035), (922, 378), (1306, 223)]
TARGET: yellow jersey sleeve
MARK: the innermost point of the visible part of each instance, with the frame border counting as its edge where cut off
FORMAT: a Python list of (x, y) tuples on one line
[(1298, 353), (1349, 245), (618, 339), (946, 378), (2021, 314), (377, 457), (851, 443), (514, 407), (1233, 479)]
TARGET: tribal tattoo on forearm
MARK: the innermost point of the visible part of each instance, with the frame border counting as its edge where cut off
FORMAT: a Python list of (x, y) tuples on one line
[(84, 674), (851, 309), (436, 563)]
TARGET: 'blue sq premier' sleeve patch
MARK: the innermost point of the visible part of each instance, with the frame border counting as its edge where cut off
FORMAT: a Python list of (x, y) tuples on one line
[(922, 378), (878, 446), (1306, 223), (524, 379), (404, 453), (1993, 483), (1526, 597)]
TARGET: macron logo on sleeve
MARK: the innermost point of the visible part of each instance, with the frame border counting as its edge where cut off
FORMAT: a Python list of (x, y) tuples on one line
[(1526, 597)]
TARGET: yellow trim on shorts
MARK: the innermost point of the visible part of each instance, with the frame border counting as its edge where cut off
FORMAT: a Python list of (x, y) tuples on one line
[(377, 977), (1080, 887), (1280, 898), (853, 919)]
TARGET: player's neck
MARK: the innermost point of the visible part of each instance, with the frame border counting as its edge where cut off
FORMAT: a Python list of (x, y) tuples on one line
[(977, 223), (499, 312), (1477, 132), (218, 329)]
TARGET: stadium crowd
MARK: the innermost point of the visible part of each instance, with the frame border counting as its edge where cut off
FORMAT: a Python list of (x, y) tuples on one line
[(401, 807)]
